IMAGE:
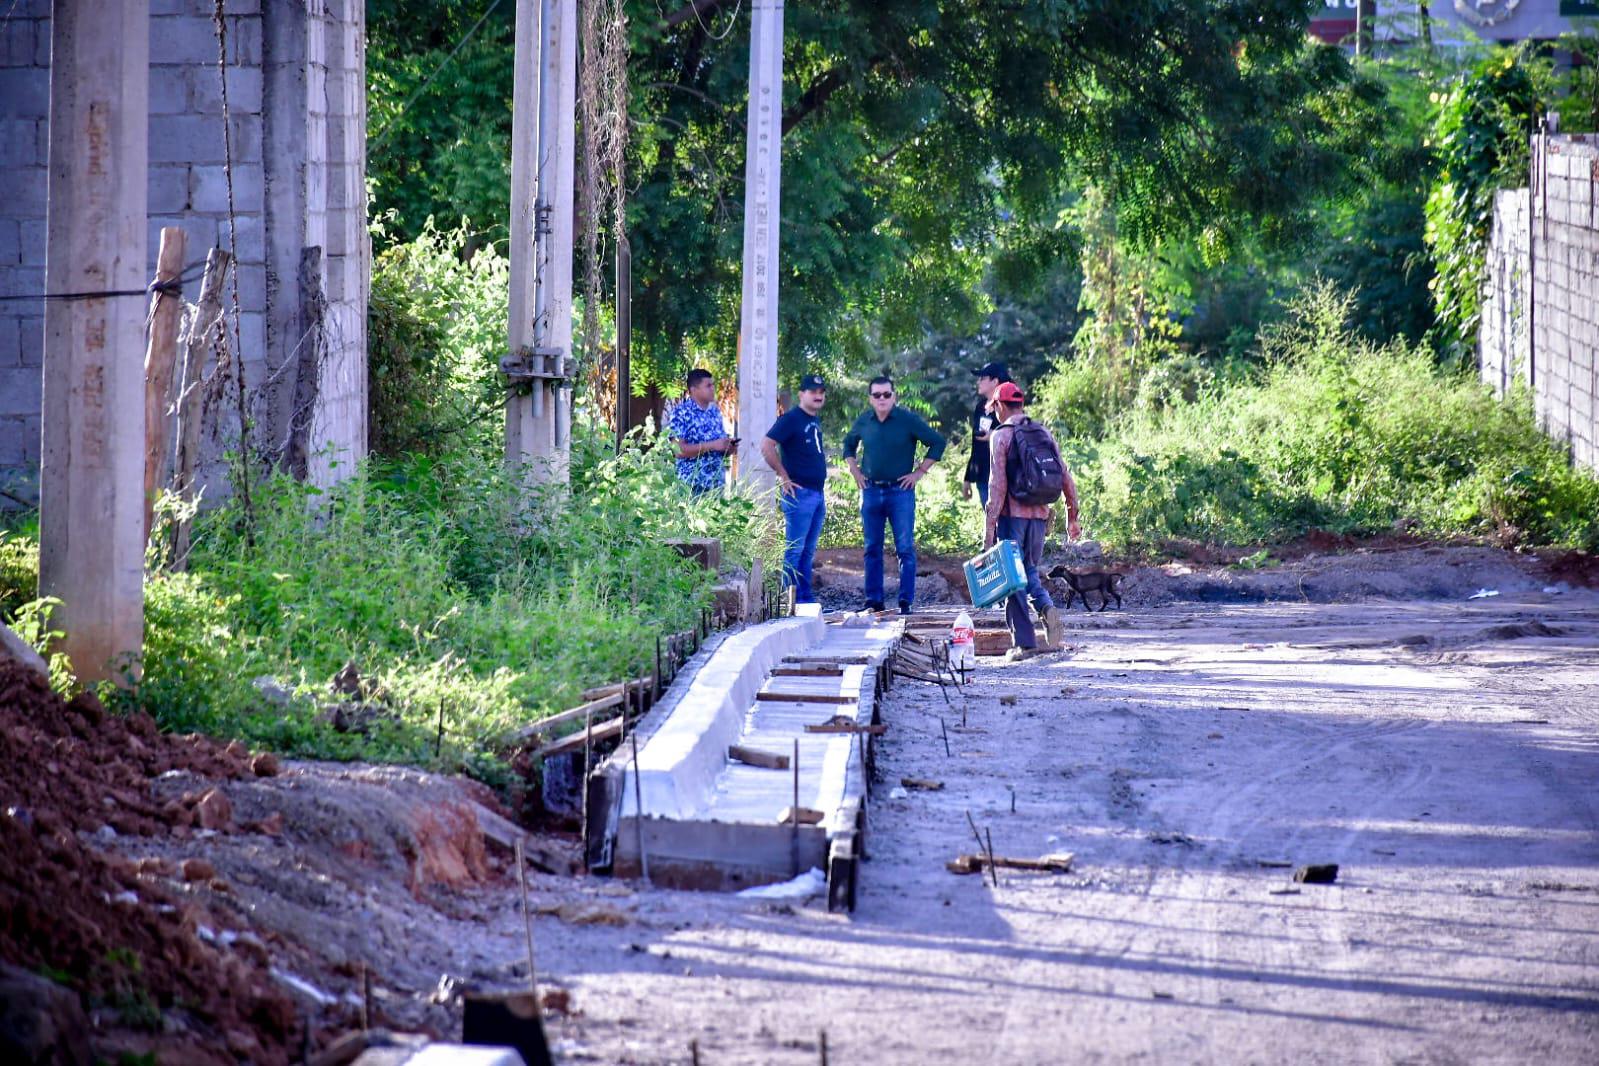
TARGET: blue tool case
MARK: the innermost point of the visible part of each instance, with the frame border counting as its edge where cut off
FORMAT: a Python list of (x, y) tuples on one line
[(995, 574)]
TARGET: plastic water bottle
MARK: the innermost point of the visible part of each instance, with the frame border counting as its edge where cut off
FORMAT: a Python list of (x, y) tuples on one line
[(963, 644)]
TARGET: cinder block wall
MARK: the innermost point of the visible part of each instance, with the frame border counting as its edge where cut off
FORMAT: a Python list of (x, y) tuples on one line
[(296, 72), (1540, 322)]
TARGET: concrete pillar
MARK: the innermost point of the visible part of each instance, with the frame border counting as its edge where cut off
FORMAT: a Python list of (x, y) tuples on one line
[(91, 509), (538, 415), (757, 334)]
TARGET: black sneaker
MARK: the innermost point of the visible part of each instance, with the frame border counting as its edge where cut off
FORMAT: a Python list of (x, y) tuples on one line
[(874, 605), (904, 608)]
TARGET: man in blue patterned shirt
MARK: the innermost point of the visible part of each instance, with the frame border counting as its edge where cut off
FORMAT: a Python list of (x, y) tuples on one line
[(695, 426)]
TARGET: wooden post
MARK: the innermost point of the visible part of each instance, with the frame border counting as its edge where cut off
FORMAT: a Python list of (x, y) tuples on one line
[(160, 359), (191, 391), (91, 469), (624, 337), (757, 335)]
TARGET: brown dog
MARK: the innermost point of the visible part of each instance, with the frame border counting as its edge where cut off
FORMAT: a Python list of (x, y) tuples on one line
[(1080, 585)]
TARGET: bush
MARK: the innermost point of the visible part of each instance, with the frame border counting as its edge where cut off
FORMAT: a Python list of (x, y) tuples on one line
[(436, 328), (1340, 434), (442, 586)]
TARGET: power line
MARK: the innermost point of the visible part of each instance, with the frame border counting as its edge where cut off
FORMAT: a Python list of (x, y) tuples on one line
[(383, 133), (731, 22), (169, 288)]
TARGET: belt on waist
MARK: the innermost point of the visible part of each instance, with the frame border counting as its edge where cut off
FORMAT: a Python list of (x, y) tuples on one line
[(883, 484)]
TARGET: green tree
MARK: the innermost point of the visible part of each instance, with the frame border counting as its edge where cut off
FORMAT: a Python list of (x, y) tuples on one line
[(1481, 140), (918, 136)]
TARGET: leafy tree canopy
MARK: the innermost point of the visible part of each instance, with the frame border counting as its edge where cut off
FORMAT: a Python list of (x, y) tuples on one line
[(919, 136)]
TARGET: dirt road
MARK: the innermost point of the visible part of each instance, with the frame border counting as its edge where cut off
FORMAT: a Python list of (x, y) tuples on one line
[(1230, 725), (1442, 753)]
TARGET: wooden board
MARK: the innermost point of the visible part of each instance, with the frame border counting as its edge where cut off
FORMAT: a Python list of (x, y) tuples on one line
[(752, 757), (802, 697), (975, 864), (870, 730), (576, 714), (567, 745), (807, 671)]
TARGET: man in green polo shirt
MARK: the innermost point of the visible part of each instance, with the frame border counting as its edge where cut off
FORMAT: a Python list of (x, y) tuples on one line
[(887, 475)]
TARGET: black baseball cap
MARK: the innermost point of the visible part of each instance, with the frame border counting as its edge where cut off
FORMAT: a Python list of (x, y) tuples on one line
[(812, 383), (992, 370)]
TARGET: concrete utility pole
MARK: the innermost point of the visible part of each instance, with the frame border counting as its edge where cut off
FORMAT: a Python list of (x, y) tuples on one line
[(538, 413), (91, 476), (757, 334)]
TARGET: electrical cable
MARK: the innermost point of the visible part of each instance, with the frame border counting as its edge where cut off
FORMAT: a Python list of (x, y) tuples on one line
[(382, 134)]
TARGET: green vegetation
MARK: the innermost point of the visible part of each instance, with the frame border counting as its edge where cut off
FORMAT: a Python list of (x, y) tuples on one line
[(1481, 139), (920, 137), (435, 327), (1333, 432), (430, 578)]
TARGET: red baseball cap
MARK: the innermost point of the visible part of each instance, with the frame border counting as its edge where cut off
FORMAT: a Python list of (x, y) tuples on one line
[(1007, 392)]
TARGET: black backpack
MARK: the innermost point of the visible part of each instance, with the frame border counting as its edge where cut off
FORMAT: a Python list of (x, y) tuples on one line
[(1034, 470)]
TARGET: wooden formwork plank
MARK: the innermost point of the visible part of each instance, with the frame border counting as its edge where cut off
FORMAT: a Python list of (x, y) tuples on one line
[(803, 697), (576, 714)]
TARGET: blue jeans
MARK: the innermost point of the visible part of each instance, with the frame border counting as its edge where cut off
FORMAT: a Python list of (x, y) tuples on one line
[(1028, 533), (982, 492), (897, 507), (802, 521)]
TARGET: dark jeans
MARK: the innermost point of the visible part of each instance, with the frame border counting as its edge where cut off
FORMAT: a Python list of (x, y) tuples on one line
[(897, 507), (982, 492), (1028, 533), (802, 521)]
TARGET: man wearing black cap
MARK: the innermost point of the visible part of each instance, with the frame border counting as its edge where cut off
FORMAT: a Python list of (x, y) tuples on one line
[(793, 449), (989, 376)]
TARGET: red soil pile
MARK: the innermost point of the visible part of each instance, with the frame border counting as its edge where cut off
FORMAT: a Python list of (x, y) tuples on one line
[(66, 771)]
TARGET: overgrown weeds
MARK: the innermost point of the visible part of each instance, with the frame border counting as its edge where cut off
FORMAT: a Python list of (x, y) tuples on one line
[(1337, 433), (451, 592)]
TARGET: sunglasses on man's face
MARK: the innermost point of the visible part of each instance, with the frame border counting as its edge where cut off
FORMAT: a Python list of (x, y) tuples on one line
[(882, 395)]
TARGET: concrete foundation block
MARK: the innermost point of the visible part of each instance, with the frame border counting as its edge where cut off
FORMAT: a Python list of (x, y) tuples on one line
[(208, 188), (169, 190), (21, 146), (246, 132), (25, 191), (20, 390), (186, 139), (169, 90), (182, 39), (249, 243), (10, 342), (25, 92), (17, 43), (244, 91), (244, 39)]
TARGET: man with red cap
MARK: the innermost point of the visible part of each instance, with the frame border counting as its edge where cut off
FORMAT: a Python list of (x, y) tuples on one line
[(1025, 521)]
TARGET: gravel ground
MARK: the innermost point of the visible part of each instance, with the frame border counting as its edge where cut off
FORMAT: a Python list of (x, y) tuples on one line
[(1190, 751), (1441, 753)]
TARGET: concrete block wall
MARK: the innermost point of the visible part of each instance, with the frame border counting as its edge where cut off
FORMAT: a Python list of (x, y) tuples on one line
[(298, 178), (24, 155), (1541, 309)]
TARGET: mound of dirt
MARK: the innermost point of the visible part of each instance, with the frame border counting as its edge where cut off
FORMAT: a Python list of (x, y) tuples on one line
[(75, 777)]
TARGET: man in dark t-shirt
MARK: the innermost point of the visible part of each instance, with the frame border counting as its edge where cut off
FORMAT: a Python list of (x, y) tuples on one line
[(793, 449), (989, 377)]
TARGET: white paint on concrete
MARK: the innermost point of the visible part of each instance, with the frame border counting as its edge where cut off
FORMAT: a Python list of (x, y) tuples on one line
[(684, 772), (678, 764)]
